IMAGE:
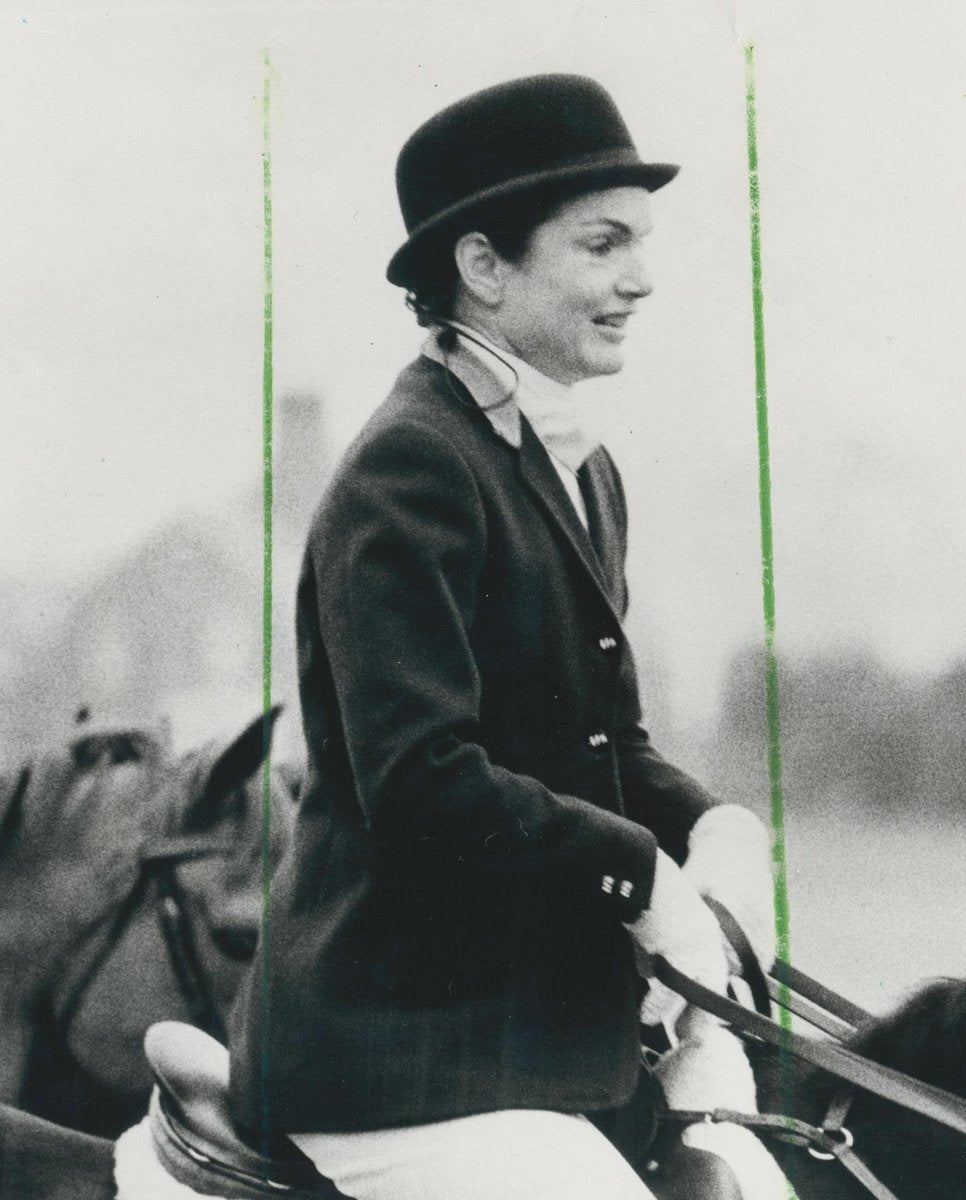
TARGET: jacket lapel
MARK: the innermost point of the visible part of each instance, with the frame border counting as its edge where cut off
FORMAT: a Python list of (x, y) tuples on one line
[(544, 484), (541, 480), (605, 531)]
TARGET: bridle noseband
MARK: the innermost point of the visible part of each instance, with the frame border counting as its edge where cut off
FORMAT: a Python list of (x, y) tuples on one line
[(158, 864)]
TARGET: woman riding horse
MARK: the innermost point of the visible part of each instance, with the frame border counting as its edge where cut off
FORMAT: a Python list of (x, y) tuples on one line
[(488, 846)]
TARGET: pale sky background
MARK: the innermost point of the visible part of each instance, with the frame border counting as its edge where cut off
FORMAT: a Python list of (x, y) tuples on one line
[(131, 265)]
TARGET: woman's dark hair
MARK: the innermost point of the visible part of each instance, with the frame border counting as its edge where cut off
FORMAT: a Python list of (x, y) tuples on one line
[(509, 223)]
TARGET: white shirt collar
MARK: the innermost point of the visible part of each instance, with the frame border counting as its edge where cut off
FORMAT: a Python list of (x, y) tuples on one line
[(504, 386)]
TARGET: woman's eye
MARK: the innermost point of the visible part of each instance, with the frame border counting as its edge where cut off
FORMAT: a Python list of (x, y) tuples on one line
[(600, 245)]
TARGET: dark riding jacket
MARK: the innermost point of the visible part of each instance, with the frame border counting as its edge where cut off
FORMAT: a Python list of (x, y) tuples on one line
[(445, 936)]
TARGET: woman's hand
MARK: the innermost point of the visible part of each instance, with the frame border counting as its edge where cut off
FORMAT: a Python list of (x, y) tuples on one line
[(729, 860), (709, 1070), (679, 927)]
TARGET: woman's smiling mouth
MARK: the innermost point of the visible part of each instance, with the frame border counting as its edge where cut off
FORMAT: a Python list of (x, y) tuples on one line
[(612, 325)]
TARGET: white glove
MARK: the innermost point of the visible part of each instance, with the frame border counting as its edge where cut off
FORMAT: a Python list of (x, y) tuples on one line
[(729, 860), (680, 927), (709, 1070)]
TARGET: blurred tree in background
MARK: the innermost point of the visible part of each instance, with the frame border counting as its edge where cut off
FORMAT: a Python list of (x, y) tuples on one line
[(855, 733)]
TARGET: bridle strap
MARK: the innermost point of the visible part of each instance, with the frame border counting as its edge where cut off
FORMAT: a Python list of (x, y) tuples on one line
[(182, 847), (161, 860), (156, 861), (113, 919), (787, 986), (810, 1012), (183, 954), (786, 1129), (886, 1082), (847, 1012), (820, 1141), (833, 1122), (859, 1171), (751, 971), (831, 1140), (838, 1109)]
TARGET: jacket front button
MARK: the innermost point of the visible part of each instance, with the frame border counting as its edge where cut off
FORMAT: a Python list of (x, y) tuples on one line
[(596, 741), (607, 643)]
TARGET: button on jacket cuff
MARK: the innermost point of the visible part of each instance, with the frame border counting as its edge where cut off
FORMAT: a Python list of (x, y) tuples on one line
[(625, 853)]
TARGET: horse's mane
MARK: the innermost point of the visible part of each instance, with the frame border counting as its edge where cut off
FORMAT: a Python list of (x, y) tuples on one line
[(925, 1038)]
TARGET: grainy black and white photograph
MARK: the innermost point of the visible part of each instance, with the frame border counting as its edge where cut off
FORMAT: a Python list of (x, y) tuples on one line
[(482, 670)]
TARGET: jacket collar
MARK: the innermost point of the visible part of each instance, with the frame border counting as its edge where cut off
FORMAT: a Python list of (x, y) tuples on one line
[(538, 473)]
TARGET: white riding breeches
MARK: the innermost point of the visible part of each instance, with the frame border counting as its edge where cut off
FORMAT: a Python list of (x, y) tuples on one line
[(516, 1154)]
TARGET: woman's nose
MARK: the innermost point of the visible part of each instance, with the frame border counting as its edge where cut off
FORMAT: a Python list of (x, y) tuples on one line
[(635, 280)]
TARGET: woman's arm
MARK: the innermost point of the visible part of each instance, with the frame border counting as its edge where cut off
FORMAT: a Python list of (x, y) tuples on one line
[(397, 552)]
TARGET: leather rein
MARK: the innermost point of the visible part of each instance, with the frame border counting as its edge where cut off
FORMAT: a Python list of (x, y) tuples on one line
[(158, 866), (830, 1012)]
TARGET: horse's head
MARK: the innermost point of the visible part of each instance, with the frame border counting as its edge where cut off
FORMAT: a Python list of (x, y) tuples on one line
[(917, 1158), (219, 819), (72, 822), (231, 800), (70, 826), (925, 1038)]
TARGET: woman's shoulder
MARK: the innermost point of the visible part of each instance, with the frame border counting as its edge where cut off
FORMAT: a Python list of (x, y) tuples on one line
[(422, 441), (427, 413), (426, 395)]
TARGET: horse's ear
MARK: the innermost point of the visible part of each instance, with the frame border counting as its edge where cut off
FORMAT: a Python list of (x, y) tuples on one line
[(13, 788), (239, 761)]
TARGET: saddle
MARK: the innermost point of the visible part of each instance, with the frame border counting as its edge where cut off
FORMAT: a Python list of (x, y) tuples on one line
[(196, 1142), (192, 1131)]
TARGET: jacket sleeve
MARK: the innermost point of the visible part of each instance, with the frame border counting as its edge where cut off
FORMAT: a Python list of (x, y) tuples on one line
[(397, 552)]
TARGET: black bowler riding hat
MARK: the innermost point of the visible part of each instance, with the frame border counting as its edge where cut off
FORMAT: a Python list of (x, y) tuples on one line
[(505, 140)]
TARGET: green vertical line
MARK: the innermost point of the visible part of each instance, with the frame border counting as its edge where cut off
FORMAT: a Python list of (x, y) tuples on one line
[(786, 1066), (267, 491), (767, 552)]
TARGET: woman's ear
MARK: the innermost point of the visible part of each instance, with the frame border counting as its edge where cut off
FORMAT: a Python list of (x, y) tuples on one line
[(480, 268)]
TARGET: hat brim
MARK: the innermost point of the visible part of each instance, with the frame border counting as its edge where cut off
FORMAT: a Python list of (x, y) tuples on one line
[(598, 174)]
